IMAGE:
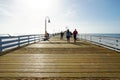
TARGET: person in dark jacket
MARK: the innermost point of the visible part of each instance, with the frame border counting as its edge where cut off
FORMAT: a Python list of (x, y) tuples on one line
[(68, 35), (61, 35)]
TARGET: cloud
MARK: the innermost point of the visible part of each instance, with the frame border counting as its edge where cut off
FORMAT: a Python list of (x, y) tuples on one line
[(70, 13), (4, 12), (5, 9)]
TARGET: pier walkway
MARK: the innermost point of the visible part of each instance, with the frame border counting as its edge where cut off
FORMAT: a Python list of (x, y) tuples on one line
[(58, 60)]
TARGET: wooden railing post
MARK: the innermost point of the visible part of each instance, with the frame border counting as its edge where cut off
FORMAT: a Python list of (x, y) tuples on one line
[(100, 39), (0, 45), (28, 40), (90, 38), (18, 41), (39, 38), (117, 41), (85, 37), (34, 38)]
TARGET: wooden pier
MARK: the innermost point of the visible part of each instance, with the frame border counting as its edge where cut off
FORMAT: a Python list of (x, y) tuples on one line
[(58, 60)]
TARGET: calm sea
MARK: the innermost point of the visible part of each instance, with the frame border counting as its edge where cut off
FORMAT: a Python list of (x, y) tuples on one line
[(104, 35), (108, 35)]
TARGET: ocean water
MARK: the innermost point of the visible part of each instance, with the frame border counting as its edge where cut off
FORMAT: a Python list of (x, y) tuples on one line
[(108, 35), (99, 35)]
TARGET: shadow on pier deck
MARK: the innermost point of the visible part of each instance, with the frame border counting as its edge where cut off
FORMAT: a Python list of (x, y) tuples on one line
[(56, 59)]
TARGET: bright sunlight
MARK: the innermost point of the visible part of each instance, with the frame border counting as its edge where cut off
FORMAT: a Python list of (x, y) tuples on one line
[(31, 13), (39, 5)]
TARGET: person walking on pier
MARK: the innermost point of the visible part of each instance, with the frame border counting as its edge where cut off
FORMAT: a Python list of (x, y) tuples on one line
[(61, 35), (68, 35), (75, 35), (46, 36)]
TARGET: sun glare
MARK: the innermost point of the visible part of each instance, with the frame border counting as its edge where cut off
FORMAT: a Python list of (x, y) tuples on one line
[(29, 13), (38, 4)]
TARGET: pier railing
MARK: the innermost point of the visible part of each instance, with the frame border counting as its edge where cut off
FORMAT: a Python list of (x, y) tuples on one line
[(112, 43), (11, 42)]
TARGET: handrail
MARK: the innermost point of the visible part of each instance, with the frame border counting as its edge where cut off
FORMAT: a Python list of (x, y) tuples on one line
[(111, 43), (11, 42)]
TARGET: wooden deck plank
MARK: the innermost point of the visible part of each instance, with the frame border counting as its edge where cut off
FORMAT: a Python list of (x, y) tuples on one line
[(60, 55), (63, 64), (70, 75), (19, 66), (81, 70), (62, 60)]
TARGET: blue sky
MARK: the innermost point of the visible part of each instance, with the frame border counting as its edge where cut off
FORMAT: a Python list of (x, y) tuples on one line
[(87, 16), (102, 16)]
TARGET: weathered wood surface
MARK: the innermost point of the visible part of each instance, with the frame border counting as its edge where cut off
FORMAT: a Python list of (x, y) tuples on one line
[(59, 59)]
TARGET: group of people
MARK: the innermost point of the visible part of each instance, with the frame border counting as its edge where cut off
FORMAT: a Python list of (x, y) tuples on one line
[(69, 34)]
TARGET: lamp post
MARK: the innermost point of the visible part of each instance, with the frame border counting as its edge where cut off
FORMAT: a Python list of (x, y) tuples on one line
[(47, 19)]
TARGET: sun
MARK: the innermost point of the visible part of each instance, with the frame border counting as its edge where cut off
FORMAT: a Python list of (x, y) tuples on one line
[(39, 4), (42, 7)]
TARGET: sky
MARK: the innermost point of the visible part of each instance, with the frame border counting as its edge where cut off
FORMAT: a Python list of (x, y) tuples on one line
[(87, 16)]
